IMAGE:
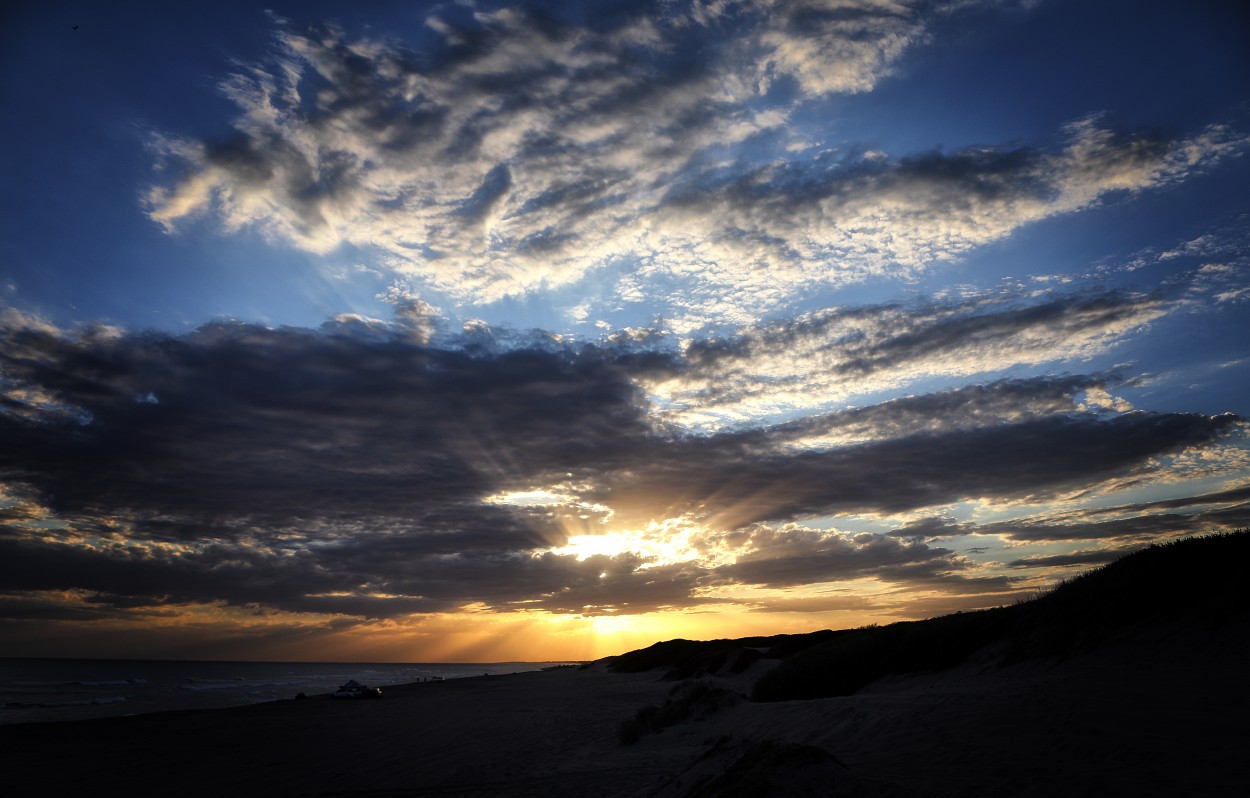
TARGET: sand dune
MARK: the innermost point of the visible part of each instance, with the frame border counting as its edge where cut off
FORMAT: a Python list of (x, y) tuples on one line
[(1161, 714)]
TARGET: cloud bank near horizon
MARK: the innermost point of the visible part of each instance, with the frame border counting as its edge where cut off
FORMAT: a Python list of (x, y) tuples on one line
[(348, 474)]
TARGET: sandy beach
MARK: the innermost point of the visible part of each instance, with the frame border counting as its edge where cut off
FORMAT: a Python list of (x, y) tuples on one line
[(1160, 712)]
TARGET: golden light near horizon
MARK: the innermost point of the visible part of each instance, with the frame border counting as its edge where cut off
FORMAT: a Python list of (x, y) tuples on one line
[(662, 541)]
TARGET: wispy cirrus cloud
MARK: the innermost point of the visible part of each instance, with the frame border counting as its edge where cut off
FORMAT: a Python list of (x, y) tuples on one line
[(527, 149), (844, 216), (1109, 531), (831, 356), (1219, 512)]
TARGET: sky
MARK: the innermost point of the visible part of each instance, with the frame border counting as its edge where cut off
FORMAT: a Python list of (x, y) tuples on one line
[(487, 331)]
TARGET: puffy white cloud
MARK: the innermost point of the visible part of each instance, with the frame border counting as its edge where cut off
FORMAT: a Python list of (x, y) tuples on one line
[(836, 45)]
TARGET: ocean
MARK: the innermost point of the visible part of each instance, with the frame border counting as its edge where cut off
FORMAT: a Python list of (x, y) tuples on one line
[(39, 690)]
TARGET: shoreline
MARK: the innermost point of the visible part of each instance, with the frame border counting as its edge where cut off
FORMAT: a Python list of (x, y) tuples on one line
[(37, 690), (1152, 716)]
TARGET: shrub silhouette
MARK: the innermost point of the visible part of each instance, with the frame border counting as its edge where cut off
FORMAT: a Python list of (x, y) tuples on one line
[(689, 700)]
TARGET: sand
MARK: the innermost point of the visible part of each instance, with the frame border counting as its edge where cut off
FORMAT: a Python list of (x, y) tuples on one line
[(1164, 714)]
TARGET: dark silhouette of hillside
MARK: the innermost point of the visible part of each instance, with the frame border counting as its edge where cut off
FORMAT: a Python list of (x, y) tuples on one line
[(1195, 582), (683, 659)]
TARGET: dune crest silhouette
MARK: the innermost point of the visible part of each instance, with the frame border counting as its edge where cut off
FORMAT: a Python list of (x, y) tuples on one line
[(1194, 582)]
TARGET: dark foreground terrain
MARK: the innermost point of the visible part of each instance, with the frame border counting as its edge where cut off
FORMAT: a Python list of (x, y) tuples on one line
[(1127, 681)]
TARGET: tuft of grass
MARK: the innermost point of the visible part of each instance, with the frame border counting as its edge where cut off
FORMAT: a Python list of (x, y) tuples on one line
[(689, 700)]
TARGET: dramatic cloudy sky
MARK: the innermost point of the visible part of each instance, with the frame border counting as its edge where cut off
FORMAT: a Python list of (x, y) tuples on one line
[(494, 329)]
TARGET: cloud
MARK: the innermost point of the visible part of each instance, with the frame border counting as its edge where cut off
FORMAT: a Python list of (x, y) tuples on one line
[(1001, 402), (840, 48), (1082, 558), (873, 214), (1139, 522), (833, 355), (75, 606), (526, 149), (793, 555), (356, 471), (1117, 525), (258, 423), (1032, 459)]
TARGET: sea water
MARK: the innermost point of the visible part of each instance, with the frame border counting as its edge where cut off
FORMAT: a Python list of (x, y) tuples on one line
[(37, 690)]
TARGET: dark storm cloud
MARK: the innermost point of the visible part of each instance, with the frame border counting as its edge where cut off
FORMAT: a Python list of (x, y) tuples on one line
[(1035, 458), (19, 606), (1084, 558), (1142, 526), (237, 421), (790, 556), (135, 575), (344, 470), (1232, 495), (930, 527), (1120, 524)]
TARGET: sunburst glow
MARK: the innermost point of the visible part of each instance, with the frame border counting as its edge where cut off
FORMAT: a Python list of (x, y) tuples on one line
[(659, 543)]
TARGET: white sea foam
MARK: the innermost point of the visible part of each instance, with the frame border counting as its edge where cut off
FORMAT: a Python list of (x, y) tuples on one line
[(200, 686), (110, 682)]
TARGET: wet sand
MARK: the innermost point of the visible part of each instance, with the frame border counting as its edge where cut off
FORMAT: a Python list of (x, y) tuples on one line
[(1163, 714)]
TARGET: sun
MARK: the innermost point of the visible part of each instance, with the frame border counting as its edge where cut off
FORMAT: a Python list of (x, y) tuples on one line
[(612, 624)]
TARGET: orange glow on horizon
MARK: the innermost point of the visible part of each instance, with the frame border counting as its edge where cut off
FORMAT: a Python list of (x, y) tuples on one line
[(472, 635)]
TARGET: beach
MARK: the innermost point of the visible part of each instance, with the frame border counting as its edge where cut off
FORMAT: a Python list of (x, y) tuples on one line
[(39, 690), (1160, 712)]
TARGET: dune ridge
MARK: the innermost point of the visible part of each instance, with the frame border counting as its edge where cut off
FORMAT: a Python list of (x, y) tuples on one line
[(1198, 581)]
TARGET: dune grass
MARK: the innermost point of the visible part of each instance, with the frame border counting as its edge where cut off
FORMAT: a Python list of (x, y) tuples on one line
[(689, 700)]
